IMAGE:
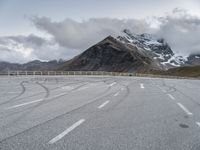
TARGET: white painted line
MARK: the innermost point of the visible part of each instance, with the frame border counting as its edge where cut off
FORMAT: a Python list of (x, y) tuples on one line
[(67, 88), (184, 109), (59, 95), (198, 123), (170, 96), (24, 104), (12, 92), (116, 94), (142, 86), (104, 104), (60, 136), (82, 88), (112, 84)]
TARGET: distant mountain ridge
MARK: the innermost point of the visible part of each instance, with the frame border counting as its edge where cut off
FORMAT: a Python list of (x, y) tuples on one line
[(31, 66)]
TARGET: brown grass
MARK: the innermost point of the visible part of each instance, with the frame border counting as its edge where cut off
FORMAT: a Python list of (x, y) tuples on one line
[(181, 71)]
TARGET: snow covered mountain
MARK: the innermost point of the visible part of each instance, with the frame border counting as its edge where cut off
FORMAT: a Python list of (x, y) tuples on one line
[(158, 49)]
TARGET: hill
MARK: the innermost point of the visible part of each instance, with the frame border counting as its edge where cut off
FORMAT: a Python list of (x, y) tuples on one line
[(111, 55)]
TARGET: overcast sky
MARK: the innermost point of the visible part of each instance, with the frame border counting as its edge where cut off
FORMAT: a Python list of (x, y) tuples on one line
[(53, 29)]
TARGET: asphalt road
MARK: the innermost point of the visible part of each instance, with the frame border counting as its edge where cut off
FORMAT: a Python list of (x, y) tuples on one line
[(99, 113)]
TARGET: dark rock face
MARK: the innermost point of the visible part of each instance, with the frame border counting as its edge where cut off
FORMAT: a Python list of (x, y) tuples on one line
[(154, 48), (5, 66), (110, 55), (194, 59)]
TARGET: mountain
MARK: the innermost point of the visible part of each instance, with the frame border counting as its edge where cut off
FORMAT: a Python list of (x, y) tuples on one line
[(158, 49), (111, 55), (31, 66), (127, 52), (130, 53)]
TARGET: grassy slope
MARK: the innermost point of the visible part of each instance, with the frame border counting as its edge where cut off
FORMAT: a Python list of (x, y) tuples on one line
[(181, 71)]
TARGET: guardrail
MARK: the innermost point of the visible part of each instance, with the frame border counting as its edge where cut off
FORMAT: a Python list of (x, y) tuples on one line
[(88, 73), (40, 73)]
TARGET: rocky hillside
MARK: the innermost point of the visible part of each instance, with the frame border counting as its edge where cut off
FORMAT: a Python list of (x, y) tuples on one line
[(111, 55)]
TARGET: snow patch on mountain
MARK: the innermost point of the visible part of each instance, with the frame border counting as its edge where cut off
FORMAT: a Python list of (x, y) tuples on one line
[(155, 47), (176, 60)]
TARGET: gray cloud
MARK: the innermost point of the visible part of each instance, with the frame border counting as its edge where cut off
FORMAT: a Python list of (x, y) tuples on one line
[(26, 48), (80, 35), (180, 29), (29, 40)]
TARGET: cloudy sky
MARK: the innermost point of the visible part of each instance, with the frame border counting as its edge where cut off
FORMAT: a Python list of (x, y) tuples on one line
[(53, 29)]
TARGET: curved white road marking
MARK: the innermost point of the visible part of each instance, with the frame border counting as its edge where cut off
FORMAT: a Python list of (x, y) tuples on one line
[(104, 104), (61, 135), (184, 109)]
